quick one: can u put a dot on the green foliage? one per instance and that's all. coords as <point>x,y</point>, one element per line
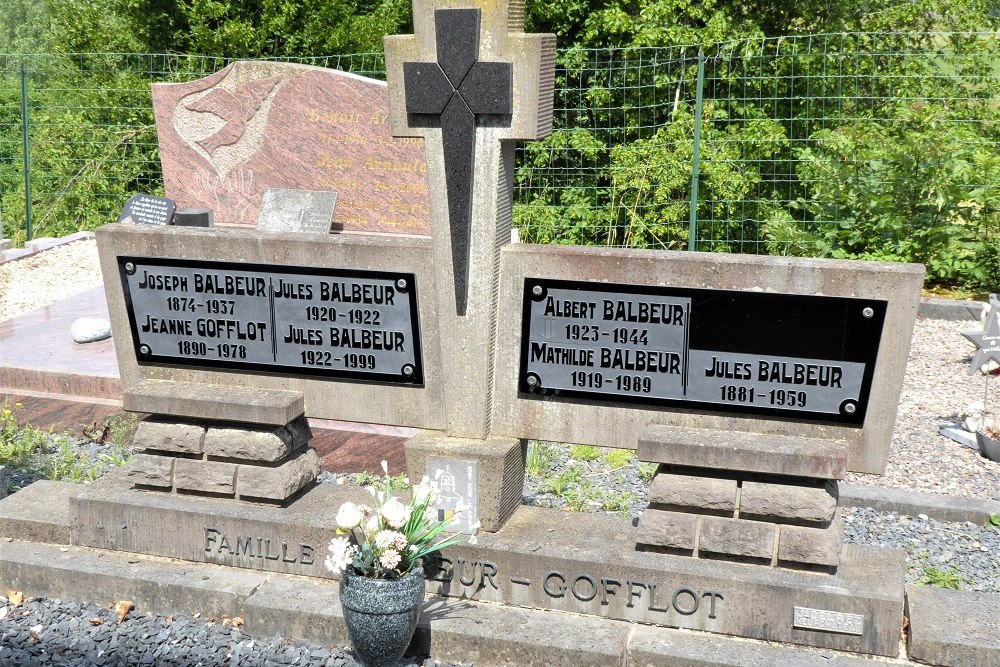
<point>910,192</point>
<point>993,521</point>
<point>584,452</point>
<point>541,456</point>
<point>647,471</point>
<point>619,458</point>
<point>399,483</point>
<point>941,578</point>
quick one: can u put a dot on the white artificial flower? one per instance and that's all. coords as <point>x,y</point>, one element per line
<point>389,559</point>
<point>371,525</point>
<point>426,491</point>
<point>349,516</point>
<point>341,554</point>
<point>971,424</point>
<point>385,466</point>
<point>387,538</point>
<point>395,513</point>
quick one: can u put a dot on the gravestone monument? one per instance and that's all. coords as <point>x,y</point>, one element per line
<point>754,383</point>
<point>227,138</point>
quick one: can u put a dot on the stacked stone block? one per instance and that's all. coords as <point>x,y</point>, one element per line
<point>244,461</point>
<point>744,497</point>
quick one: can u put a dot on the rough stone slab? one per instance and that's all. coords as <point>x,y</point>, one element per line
<point>744,451</point>
<point>4,478</point>
<point>953,628</point>
<point>811,546</point>
<point>151,470</point>
<point>249,444</point>
<point>542,548</point>
<point>278,483</point>
<point>292,540</point>
<point>328,398</point>
<point>694,494</point>
<point>611,424</point>
<point>673,530</point>
<point>788,502</point>
<point>205,476</point>
<point>103,576</point>
<point>208,401</point>
<point>657,647</point>
<point>935,505</point>
<point>501,469</point>
<point>736,537</point>
<point>169,436</point>
<point>39,512</point>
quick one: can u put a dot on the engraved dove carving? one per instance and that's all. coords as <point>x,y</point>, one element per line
<point>237,108</point>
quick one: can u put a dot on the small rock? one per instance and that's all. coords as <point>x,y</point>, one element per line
<point>90,329</point>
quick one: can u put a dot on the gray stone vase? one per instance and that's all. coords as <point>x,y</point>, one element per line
<point>989,447</point>
<point>381,615</point>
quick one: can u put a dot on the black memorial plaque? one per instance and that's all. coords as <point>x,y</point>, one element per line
<point>788,355</point>
<point>148,210</point>
<point>296,320</point>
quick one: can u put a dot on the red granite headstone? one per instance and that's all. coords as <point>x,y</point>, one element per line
<point>227,138</point>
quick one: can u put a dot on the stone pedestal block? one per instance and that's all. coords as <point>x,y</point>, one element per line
<point>151,470</point>
<point>266,445</point>
<point>789,503</point>
<point>795,456</point>
<point>195,400</point>
<point>694,494</point>
<point>671,530</point>
<point>801,545</point>
<point>500,464</point>
<point>169,436</point>
<point>736,537</point>
<point>278,483</point>
<point>205,476</point>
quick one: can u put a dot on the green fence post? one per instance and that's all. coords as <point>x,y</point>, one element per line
<point>27,157</point>
<point>696,153</point>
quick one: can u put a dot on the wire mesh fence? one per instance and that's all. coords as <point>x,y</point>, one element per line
<point>878,146</point>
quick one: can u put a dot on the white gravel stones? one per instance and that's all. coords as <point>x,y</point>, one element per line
<point>937,387</point>
<point>90,329</point>
<point>47,277</point>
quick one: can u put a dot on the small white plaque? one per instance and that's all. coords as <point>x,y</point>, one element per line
<point>458,485</point>
<point>828,621</point>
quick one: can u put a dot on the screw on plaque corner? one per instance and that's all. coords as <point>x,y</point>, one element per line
<point>129,268</point>
<point>537,292</point>
<point>868,312</point>
<point>408,370</point>
<point>402,285</point>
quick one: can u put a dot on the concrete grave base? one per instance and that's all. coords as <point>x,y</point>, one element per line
<point>544,559</point>
<point>500,466</point>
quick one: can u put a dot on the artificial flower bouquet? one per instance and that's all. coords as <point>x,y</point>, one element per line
<point>385,540</point>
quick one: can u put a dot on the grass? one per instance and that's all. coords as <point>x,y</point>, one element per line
<point>941,578</point>
<point>648,470</point>
<point>584,452</point>
<point>541,456</point>
<point>619,458</point>
<point>398,483</point>
<point>993,521</point>
<point>52,455</point>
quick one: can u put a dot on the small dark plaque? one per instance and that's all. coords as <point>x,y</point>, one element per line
<point>790,355</point>
<point>303,320</point>
<point>148,210</point>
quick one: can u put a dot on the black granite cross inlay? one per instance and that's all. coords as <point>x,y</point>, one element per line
<point>457,91</point>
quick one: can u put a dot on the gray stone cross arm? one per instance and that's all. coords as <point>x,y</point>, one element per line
<point>466,68</point>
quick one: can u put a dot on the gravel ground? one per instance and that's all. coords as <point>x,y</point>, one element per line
<point>48,276</point>
<point>55,632</point>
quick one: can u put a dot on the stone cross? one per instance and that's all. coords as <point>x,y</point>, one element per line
<point>471,83</point>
